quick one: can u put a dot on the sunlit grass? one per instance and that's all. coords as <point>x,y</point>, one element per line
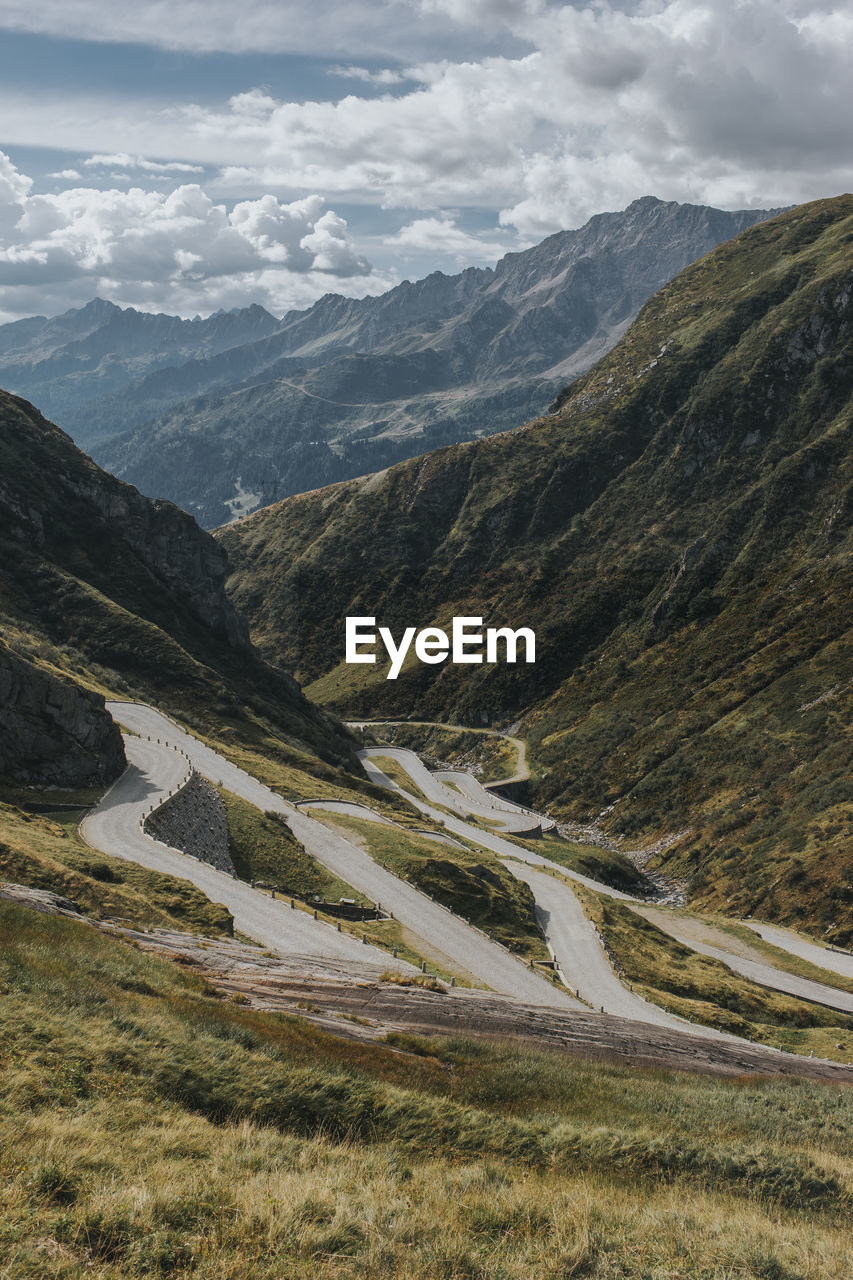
<point>149,1128</point>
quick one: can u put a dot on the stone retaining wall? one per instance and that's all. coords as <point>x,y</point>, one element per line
<point>194,821</point>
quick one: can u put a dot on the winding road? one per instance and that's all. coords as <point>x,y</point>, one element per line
<point>156,768</point>
<point>579,953</point>
<point>456,945</point>
<point>114,827</point>
<point>468,798</point>
<point>581,961</point>
<point>522,769</point>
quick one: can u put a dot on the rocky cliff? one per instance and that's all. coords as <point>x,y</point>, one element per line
<point>52,732</point>
<point>128,594</point>
<point>55,499</point>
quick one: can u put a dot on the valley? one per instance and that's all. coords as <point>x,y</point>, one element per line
<point>567,929</point>
<point>677,534</point>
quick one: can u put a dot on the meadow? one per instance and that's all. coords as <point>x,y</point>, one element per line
<point>150,1127</point>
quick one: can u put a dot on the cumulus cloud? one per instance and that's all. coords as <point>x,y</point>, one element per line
<point>179,249</point>
<point>746,101</point>
<point>442,235</point>
<point>538,111</point>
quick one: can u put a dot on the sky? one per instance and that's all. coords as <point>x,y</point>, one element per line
<point>191,155</point>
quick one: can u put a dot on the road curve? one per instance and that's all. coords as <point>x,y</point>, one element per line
<point>459,944</point>
<point>488,839</point>
<point>572,939</point>
<point>577,961</point>
<point>517,819</point>
<point>114,828</point>
<point>522,769</point>
<point>471,798</point>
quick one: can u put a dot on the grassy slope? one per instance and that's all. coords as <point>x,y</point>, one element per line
<point>473,883</point>
<point>599,864</point>
<point>149,1128</point>
<point>705,990</point>
<point>678,535</point>
<point>45,854</point>
<point>263,847</point>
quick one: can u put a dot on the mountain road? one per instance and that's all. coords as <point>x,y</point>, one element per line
<point>444,934</point>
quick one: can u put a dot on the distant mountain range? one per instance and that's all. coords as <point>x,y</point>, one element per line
<point>679,534</point>
<point>229,413</point>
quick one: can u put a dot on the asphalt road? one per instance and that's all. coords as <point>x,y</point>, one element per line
<point>515,817</point>
<point>113,827</point>
<point>579,962</point>
<point>522,769</point>
<point>155,770</point>
<point>840,962</point>
<point>767,976</point>
<point>471,798</point>
<point>488,839</point>
<point>457,943</point>
<point>580,958</point>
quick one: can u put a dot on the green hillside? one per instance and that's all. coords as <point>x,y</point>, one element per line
<point>678,534</point>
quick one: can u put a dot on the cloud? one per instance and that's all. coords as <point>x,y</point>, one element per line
<point>441,235</point>
<point>179,250</point>
<point>742,102</point>
<point>325,28</point>
<point>121,160</point>
<point>745,100</point>
<point>539,113</point>
<point>385,77</point>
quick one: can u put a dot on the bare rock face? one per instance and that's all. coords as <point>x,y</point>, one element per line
<point>173,548</point>
<point>52,732</point>
<point>144,555</point>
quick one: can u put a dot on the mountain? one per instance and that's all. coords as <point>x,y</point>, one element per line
<point>65,363</point>
<point>227,414</point>
<point>678,534</point>
<point>104,591</point>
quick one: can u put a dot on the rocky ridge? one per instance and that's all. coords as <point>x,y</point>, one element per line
<point>228,414</point>
<point>120,592</point>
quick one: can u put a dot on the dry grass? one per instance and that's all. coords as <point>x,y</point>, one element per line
<point>151,1129</point>
<point>42,853</point>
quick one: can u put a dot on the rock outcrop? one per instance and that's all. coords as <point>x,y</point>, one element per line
<point>129,590</point>
<point>52,732</point>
